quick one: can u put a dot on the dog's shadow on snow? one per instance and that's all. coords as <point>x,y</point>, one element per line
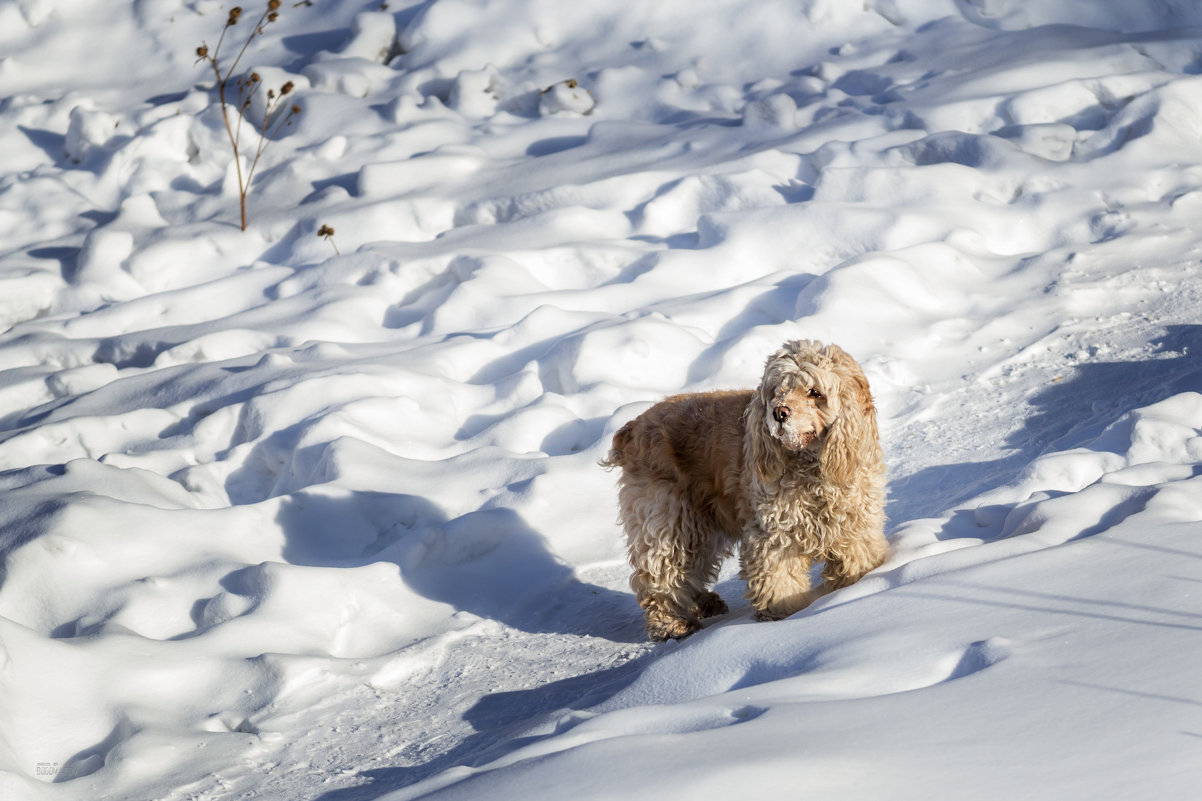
<point>489,563</point>
<point>1064,414</point>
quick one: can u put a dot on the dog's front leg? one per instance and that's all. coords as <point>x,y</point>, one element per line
<point>853,558</point>
<point>777,575</point>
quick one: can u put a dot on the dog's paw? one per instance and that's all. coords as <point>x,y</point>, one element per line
<point>766,616</point>
<point>710,604</point>
<point>671,628</point>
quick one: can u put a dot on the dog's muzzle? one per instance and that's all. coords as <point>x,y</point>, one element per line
<point>788,436</point>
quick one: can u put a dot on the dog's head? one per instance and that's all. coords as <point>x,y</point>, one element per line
<point>799,395</point>
<point>814,399</point>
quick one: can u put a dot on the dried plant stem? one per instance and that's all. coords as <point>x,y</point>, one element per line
<point>233,137</point>
<point>246,91</point>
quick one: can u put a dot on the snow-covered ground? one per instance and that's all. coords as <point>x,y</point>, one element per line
<point>286,516</point>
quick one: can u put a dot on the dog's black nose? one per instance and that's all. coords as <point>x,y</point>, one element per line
<point>780,414</point>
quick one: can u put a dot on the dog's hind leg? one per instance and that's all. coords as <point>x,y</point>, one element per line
<point>706,602</point>
<point>675,558</point>
<point>660,583</point>
<point>710,604</point>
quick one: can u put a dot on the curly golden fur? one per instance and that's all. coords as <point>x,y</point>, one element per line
<point>792,473</point>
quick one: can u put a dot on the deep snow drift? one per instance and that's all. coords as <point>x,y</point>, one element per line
<point>305,517</point>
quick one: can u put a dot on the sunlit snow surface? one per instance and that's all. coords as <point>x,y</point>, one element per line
<point>293,517</point>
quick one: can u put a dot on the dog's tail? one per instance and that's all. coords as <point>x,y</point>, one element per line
<point>617,453</point>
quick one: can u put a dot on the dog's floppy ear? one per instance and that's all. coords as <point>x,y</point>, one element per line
<point>765,461</point>
<point>853,440</point>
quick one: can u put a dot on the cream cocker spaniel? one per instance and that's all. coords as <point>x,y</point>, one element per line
<point>791,473</point>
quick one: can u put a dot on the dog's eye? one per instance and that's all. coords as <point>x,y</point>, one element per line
<point>815,394</point>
